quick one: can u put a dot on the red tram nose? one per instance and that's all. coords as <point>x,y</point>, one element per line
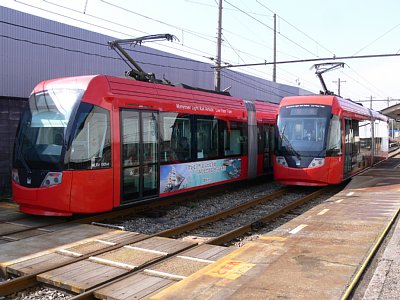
<point>52,198</point>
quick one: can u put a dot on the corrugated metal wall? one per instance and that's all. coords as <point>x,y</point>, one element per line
<point>38,49</point>
<point>35,49</point>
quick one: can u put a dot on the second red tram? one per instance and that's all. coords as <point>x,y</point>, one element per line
<point>92,143</point>
<point>324,139</point>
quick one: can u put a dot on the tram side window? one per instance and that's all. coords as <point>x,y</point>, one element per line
<point>334,146</point>
<point>235,139</point>
<point>352,137</point>
<point>175,138</point>
<point>377,138</point>
<point>265,144</point>
<point>91,145</point>
<point>365,130</point>
<point>381,137</point>
<point>130,138</point>
<point>207,138</point>
<point>356,136</point>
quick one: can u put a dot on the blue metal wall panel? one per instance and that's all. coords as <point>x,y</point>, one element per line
<point>30,54</point>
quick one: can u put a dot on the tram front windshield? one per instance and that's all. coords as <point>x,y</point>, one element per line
<point>40,141</point>
<point>302,129</point>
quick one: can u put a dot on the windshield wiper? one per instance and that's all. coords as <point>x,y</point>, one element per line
<point>330,149</point>
<point>289,145</point>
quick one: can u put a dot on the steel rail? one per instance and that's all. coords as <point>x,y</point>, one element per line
<point>124,211</point>
<point>20,283</point>
<point>25,281</point>
<point>163,202</point>
<point>223,214</point>
<point>229,236</point>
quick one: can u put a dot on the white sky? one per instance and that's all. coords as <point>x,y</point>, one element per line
<point>306,29</point>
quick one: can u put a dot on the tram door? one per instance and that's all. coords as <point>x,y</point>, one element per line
<point>139,155</point>
<point>266,140</point>
<point>348,148</point>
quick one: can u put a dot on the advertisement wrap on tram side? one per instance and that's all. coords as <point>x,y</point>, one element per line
<point>187,175</point>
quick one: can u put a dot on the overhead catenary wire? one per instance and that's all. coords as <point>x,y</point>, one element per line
<point>197,34</point>
<point>103,28</point>
<point>295,27</point>
<point>173,26</point>
<point>269,27</point>
<point>258,43</point>
<point>227,8</point>
<point>96,43</point>
<point>302,32</point>
<point>378,38</point>
<point>234,49</point>
<point>71,16</point>
<point>115,23</point>
<point>98,55</point>
<point>114,58</point>
<point>250,83</point>
<point>245,79</point>
<point>77,20</point>
<point>317,59</point>
<point>242,82</point>
<point>370,84</point>
<point>90,42</point>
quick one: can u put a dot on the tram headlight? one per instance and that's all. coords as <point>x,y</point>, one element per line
<point>15,175</point>
<point>281,161</point>
<point>317,162</point>
<point>52,178</point>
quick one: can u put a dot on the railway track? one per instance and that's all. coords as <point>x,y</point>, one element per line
<point>16,226</point>
<point>116,255</point>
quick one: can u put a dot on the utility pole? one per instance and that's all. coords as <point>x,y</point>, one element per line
<point>217,71</point>
<point>392,123</point>
<point>338,82</point>
<point>274,69</point>
<point>370,102</point>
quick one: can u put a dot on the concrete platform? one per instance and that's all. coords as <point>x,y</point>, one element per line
<point>317,255</point>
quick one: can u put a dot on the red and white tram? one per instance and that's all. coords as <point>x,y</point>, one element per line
<point>92,143</point>
<point>324,139</point>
